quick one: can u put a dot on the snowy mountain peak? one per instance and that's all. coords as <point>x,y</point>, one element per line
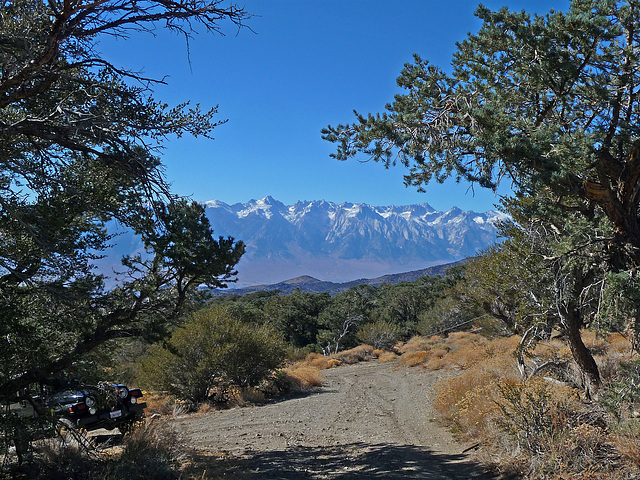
<point>269,201</point>
<point>341,242</point>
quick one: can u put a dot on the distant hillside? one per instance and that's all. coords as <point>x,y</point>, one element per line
<point>309,284</point>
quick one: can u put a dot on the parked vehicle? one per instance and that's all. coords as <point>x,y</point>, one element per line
<point>106,405</point>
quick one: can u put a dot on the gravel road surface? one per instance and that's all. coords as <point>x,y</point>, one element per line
<point>369,421</point>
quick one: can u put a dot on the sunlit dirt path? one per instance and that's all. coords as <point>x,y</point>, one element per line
<point>368,421</point>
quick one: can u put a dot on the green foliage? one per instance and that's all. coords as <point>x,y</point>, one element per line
<point>512,282</point>
<point>402,303</point>
<point>451,313</point>
<point>214,349</point>
<point>444,304</point>
<point>380,334</point>
<point>530,416</point>
<point>316,322</point>
<point>619,302</point>
<point>79,141</point>
<point>407,304</point>
<point>342,317</point>
<point>549,105</point>
<point>296,316</point>
<point>540,129</point>
<point>320,322</point>
<point>623,392</point>
<point>17,431</point>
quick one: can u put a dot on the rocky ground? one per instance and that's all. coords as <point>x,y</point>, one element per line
<point>368,421</point>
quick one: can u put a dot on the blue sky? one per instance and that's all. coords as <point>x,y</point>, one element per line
<point>304,65</point>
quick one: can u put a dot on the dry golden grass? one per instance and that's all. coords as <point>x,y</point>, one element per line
<point>361,353</point>
<point>386,356</point>
<point>471,354</point>
<point>618,344</point>
<point>241,397</point>
<point>547,350</point>
<point>552,432</point>
<point>439,352</point>
<point>437,363</point>
<point>628,447</point>
<point>306,373</point>
<point>304,376</point>
<point>460,350</point>
<point>412,359</point>
<point>458,338</point>
<point>502,345</point>
<point>204,408</point>
<point>465,401</point>
<point>592,340</point>
<point>158,403</point>
<point>318,361</point>
<point>417,343</point>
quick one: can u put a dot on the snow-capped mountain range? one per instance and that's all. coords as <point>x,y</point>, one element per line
<point>343,242</point>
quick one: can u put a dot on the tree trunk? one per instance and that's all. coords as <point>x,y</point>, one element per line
<point>572,322</point>
<point>617,192</point>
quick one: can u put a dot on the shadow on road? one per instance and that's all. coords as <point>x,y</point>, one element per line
<point>356,461</point>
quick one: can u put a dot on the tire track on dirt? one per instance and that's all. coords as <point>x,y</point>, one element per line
<point>369,420</point>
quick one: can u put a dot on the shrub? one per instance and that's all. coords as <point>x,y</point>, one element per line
<point>531,416</point>
<point>150,451</point>
<point>459,349</point>
<point>245,396</point>
<point>158,403</point>
<point>380,334</point>
<point>153,450</point>
<point>361,353</point>
<point>465,403</point>
<point>384,356</point>
<point>411,359</point>
<point>318,361</point>
<point>300,377</point>
<point>623,391</point>
<point>560,436</point>
<point>552,434</point>
<point>619,344</point>
<point>437,363</point>
<point>212,350</point>
<point>296,354</point>
<point>629,447</point>
<point>418,343</point>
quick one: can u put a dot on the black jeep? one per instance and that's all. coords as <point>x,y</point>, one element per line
<point>106,405</point>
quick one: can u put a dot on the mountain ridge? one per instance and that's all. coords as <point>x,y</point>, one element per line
<point>309,284</point>
<point>346,241</point>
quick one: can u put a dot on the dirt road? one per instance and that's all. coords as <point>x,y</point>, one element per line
<point>368,421</point>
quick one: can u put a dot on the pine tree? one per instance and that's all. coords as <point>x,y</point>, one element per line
<point>547,104</point>
<point>79,148</point>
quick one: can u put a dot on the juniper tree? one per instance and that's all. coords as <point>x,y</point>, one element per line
<point>548,104</point>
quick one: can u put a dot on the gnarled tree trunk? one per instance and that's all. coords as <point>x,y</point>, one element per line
<point>572,322</point>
